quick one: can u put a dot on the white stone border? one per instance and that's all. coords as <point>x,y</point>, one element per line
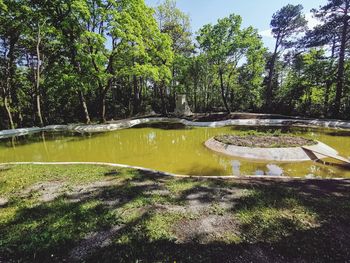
<point>155,172</point>
<point>345,125</point>
<point>283,154</point>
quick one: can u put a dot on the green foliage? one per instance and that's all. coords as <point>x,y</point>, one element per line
<point>176,24</point>
<point>287,22</point>
<point>308,86</point>
<point>70,61</point>
<point>236,55</point>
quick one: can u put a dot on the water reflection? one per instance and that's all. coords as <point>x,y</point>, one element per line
<point>310,176</point>
<point>151,136</point>
<point>236,168</point>
<point>259,173</point>
<point>274,170</point>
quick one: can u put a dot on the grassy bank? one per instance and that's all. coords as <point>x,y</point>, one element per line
<point>100,214</point>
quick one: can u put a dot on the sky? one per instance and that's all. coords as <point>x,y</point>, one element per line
<point>256,13</point>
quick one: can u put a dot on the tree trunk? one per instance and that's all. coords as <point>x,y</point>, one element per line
<point>223,91</point>
<point>38,105</point>
<point>84,106</point>
<point>141,90</point>
<point>161,90</point>
<point>195,87</point>
<point>8,110</point>
<point>269,89</point>
<point>326,98</point>
<point>37,80</point>
<point>136,100</point>
<point>9,72</point>
<point>103,108</point>
<point>341,65</point>
<point>103,100</point>
<point>329,81</point>
<point>77,67</point>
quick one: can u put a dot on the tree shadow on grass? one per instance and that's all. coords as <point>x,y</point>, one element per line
<point>278,239</point>
<point>280,221</point>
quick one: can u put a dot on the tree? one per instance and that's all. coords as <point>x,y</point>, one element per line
<point>175,23</point>
<point>35,39</point>
<point>324,36</point>
<point>147,53</point>
<point>12,22</point>
<point>227,45</point>
<point>335,32</point>
<point>285,23</point>
<point>305,89</point>
<point>65,61</point>
<point>66,17</point>
<point>135,43</point>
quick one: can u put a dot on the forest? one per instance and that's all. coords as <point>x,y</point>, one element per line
<point>67,61</point>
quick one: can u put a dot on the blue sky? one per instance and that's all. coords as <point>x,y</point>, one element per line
<point>257,13</point>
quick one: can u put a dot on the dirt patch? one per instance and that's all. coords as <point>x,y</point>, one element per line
<point>4,168</point>
<point>206,229</point>
<point>45,192</point>
<point>3,202</point>
<point>265,141</point>
<point>49,191</point>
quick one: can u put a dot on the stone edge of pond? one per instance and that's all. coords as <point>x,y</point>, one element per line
<point>283,154</point>
<point>345,125</point>
<point>159,173</point>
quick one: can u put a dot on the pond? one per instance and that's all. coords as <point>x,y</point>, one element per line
<point>171,148</point>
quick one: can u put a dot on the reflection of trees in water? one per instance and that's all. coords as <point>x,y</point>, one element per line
<point>163,126</point>
<point>46,137</point>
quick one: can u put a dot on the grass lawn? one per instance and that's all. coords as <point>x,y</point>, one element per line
<point>101,214</point>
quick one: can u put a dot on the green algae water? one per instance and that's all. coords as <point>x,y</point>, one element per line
<point>177,150</point>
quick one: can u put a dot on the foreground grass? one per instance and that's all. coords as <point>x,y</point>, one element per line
<point>100,214</point>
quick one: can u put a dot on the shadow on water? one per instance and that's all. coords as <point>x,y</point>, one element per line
<point>163,126</point>
<point>89,221</point>
<point>337,133</point>
<point>202,170</point>
<point>42,137</point>
<point>340,166</point>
